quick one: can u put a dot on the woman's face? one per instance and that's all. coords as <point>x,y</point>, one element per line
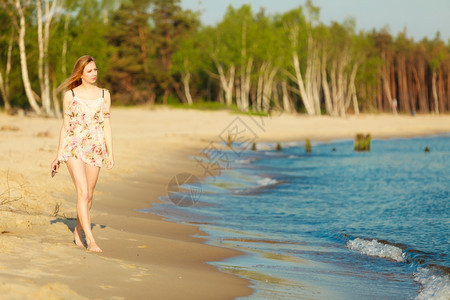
<point>90,73</point>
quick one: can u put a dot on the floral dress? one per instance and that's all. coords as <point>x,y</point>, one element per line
<point>85,139</point>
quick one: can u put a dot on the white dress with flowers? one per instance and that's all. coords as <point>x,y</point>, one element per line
<point>85,139</point>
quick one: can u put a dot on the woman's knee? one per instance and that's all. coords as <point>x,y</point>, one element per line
<point>84,194</point>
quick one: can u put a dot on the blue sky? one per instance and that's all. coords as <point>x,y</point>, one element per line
<point>423,18</point>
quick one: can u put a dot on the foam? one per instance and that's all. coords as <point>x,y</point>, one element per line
<point>377,249</point>
<point>242,161</point>
<point>266,181</point>
<point>435,285</point>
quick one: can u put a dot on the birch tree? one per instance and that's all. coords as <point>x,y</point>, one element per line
<point>437,57</point>
<point>269,51</point>
<point>222,46</point>
<point>187,61</point>
<point>296,26</point>
<point>171,25</point>
<point>43,28</point>
<point>4,77</point>
<point>16,10</point>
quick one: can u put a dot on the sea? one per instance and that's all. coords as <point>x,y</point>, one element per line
<point>332,223</point>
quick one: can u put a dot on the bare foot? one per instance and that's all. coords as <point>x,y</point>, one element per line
<point>77,237</point>
<point>93,247</point>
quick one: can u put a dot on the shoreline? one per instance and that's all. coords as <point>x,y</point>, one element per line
<point>166,238</point>
<point>145,255</point>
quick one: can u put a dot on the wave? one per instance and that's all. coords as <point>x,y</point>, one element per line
<point>267,181</point>
<point>377,249</point>
<point>435,284</point>
<point>433,279</point>
<point>243,161</point>
<point>261,186</point>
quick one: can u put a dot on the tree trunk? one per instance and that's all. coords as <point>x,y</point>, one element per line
<point>227,85</point>
<point>380,94</point>
<point>412,92</point>
<point>49,12</point>
<point>268,84</point>
<point>351,90</point>
<point>56,101</point>
<point>418,87</point>
<point>298,75</point>
<point>355,101</point>
<point>342,83</point>
<point>43,40</point>
<point>387,92</point>
<point>448,86</point>
<point>303,86</point>
<point>143,49</point>
<point>423,96</point>
<point>275,96</point>
<point>392,82</point>
<point>334,89</point>
<point>441,91</point>
<point>286,104</point>
<point>434,91</point>
<point>238,93</point>
<point>312,75</point>
<point>41,53</point>
<point>315,79</point>
<point>187,91</point>
<point>405,94</point>
<point>245,84</point>
<point>259,92</point>
<point>4,83</point>
<point>23,60</point>
<point>325,86</point>
<point>64,47</point>
<point>385,74</point>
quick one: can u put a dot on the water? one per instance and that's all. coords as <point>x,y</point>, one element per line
<point>332,224</point>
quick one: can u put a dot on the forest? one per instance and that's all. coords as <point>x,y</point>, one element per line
<point>156,52</point>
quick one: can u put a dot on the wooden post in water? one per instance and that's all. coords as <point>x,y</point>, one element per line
<point>229,141</point>
<point>254,146</point>
<point>362,142</point>
<point>308,146</point>
<point>278,147</point>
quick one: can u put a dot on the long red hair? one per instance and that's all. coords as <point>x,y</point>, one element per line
<point>74,79</point>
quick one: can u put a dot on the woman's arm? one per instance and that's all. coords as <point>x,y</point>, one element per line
<point>107,130</point>
<point>63,131</point>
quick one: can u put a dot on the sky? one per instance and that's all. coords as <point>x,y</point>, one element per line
<point>422,18</point>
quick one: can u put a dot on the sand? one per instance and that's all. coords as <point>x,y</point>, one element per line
<point>145,257</point>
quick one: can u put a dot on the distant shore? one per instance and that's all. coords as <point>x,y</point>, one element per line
<point>145,256</point>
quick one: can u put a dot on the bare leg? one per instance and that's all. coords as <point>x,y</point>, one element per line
<point>79,172</point>
<point>91,176</point>
<point>92,173</point>
<point>77,234</point>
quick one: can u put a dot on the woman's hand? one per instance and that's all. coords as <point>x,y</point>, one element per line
<point>110,162</point>
<point>55,166</point>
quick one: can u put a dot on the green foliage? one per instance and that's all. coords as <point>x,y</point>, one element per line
<point>147,50</point>
<point>129,69</point>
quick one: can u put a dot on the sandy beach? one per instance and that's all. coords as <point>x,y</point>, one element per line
<point>145,257</point>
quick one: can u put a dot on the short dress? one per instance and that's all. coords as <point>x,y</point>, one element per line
<point>85,139</point>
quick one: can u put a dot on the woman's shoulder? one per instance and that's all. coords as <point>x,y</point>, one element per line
<point>104,90</point>
<point>68,94</point>
<point>101,90</point>
<point>105,93</point>
<point>92,94</point>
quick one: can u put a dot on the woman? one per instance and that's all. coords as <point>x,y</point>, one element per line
<point>85,141</point>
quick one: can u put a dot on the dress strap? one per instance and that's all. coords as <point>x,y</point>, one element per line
<point>73,94</point>
<point>103,93</point>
